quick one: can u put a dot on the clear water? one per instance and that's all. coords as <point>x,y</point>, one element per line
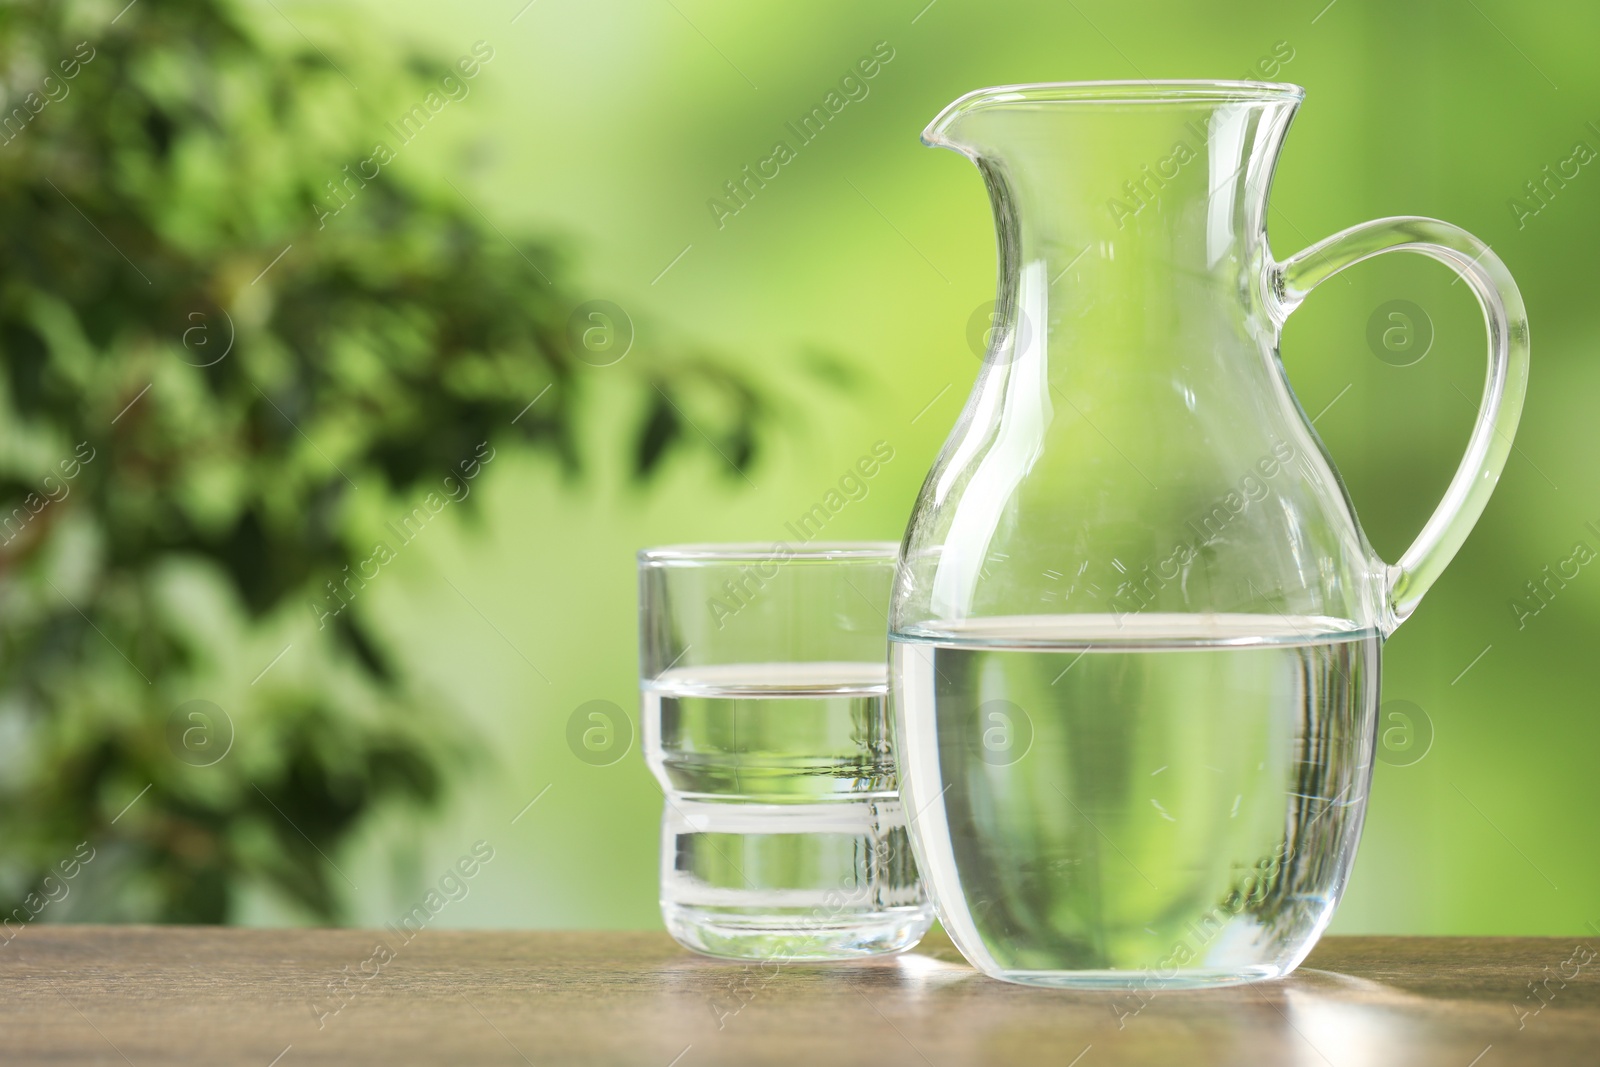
<point>783,832</point>
<point>1136,801</point>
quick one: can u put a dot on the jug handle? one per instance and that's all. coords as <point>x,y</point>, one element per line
<point>1490,444</point>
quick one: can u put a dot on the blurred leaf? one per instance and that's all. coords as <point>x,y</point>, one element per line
<point>226,311</point>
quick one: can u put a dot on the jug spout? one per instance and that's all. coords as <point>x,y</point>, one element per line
<point>951,128</point>
<point>1151,175</point>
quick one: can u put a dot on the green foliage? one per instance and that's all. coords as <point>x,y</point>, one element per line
<point>200,362</point>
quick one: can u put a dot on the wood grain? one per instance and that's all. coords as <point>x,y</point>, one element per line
<point>174,995</point>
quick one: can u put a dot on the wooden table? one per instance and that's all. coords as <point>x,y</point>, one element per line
<point>143,995</point>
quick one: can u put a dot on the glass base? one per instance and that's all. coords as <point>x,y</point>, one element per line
<point>1141,981</point>
<point>786,936</point>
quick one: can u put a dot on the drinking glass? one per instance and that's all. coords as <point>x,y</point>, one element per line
<point>763,680</point>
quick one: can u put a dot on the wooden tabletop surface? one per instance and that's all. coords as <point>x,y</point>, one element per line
<point>176,995</point>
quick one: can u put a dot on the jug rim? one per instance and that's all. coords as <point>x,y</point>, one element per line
<point>1142,91</point>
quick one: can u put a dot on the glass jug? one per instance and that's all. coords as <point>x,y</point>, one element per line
<point>1135,630</point>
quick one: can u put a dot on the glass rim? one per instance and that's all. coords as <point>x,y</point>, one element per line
<point>710,553</point>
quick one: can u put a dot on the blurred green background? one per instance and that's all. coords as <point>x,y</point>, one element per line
<point>606,127</point>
